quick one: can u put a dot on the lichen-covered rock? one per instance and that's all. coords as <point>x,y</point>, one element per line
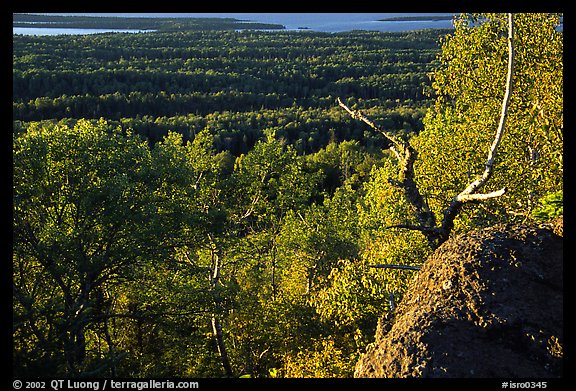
<point>484,304</point>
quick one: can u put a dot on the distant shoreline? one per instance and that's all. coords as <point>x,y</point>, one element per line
<point>52,24</point>
<point>417,18</point>
<point>126,23</point>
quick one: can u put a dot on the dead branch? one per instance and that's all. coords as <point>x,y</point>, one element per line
<point>395,143</point>
<point>406,156</point>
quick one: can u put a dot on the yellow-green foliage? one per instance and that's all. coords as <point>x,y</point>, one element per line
<point>116,241</point>
<point>470,84</point>
<point>323,359</point>
<point>383,207</point>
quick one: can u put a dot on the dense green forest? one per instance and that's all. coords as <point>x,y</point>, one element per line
<point>235,83</point>
<point>196,204</point>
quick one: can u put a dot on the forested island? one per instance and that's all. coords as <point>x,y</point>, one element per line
<point>199,204</point>
<point>137,23</point>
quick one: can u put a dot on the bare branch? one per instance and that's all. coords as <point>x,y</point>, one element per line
<point>391,302</point>
<point>358,115</point>
<point>195,186</point>
<point>406,156</point>
<point>251,208</point>
<point>480,197</point>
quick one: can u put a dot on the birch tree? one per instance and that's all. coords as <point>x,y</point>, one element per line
<point>480,60</point>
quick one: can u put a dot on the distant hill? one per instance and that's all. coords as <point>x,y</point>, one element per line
<point>139,23</point>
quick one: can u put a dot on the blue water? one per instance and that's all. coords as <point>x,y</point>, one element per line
<point>323,22</point>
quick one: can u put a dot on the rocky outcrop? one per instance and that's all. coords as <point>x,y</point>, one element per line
<point>485,304</point>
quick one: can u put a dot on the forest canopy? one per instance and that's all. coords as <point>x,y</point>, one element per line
<point>196,204</point>
<point>235,83</point>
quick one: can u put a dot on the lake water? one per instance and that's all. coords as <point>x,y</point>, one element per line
<point>339,22</point>
<point>322,22</point>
